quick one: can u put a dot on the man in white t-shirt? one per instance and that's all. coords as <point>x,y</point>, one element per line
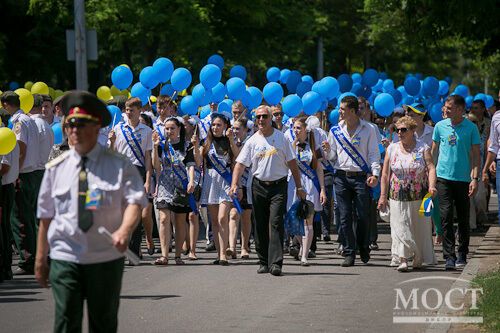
<point>270,156</point>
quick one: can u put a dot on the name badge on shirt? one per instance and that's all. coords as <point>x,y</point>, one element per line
<point>452,140</point>
<point>356,141</point>
<point>417,156</point>
<point>94,199</point>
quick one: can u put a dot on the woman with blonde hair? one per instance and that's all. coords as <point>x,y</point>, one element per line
<point>408,174</point>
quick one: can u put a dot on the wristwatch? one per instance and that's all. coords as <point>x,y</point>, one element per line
<point>476,179</point>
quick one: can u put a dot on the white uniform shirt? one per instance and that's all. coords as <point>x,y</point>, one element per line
<point>120,184</point>
<point>144,136</point>
<point>495,135</point>
<point>26,131</point>
<point>103,136</point>
<point>268,156</point>
<point>425,137</point>
<point>12,160</point>
<point>46,141</point>
<point>365,140</point>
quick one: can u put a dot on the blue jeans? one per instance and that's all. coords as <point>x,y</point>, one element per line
<point>352,194</point>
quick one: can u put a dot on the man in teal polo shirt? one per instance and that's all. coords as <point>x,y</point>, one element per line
<point>456,148</point>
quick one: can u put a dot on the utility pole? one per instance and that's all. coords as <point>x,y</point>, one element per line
<point>80,45</point>
<point>320,71</point>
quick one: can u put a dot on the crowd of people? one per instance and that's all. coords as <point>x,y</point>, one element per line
<point>231,171</point>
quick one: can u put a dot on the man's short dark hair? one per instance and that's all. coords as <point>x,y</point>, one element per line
<point>351,102</point>
<point>37,101</point>
<point>11,98</point>
<point>480,102</point>
<point>457,100</point>
<point>46,98</point>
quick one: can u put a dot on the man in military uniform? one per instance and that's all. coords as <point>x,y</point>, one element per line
<point>23,219</point>
<point>83,189</point>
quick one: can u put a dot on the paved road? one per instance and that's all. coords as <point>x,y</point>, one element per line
<point>202,297</point>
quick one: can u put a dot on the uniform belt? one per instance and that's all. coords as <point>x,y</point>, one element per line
<point>350,173</point>
<point>270,183</point>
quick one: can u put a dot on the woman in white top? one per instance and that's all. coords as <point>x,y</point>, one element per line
<point>219,152</point>
<point>240,130</point>
<point>309,160</point>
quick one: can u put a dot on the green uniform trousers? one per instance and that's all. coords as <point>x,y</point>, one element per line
<point>99,284</point>
<point>6,203</point>
<point>23,217</point>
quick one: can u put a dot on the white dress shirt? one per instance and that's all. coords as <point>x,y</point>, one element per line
<point>26,131</point>
<point>144,136</point>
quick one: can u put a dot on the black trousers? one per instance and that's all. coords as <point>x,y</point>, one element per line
<point>269,203</point>
<point>454,194</point>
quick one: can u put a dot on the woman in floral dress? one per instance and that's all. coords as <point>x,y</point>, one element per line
<point>408,174</point>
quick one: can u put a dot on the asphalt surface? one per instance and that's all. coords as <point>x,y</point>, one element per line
<point>200,296</point>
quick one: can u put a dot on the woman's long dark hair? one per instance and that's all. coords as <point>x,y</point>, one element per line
<point>206,145</point>
<point>182,133</point>
<point>312,144</point>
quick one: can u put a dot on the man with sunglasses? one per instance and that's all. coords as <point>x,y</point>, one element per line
<point>270,156</point>
<point>83,189</point>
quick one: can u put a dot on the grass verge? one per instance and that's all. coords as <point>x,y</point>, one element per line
<point>489,302</point>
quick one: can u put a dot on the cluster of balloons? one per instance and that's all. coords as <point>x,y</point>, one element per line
<point>30,88</point>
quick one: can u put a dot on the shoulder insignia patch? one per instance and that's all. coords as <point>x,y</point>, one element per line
<point>57,160</point>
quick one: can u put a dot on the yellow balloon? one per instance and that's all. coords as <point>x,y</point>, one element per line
<point>104,93</point>
<point>125,65</point>
<point>28,85</point>
<point>183,93</point>
<point>115,91</point>
<point>152,99</point>
<point>26,99</point>
<point>7,140</point>
<point>1,92</point>
<point>59,92</point>
<point>40,88</point>
<point>52,93</point>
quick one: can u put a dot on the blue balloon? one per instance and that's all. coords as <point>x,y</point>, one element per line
<point>333,117</point>
<point>10,124</point>
<point>216,60</point>
<point>444,87</point>
<point>345,83</point>
<point>255,96</point>
<point>58,133</point>
<point>116,115</point>
<point>181,79</point>
<point>235,88</point>
<point>273,74</point>
<point>384,104</point>
<point>210,75</point>
<point>388,85</point>
<point>273,93</point>
<point>148,77</point>
<point>328,87</point>
<point>412,86</point>
<point>189,105</point>
<point>167,90</point>
<point>324,105</point>
<point>366,92</point>
<point>481,97</point>
<point>333,102</point>
<point>378,86</point>
<point>218,92</point>
<point>238,71</point>
<point>356,78</point>
<point>489,101</point>
<point>436,112</point>
<point>205,111</point>
<point>311,102</point>
<point>13,85</point>
<point>403,92</point>
<point>396,95</point>
<point>370,77</point>
<point>224,106</point>
<point>430,86</point>
<point>408,100</point>
<point>383,76</point>
<point>307,78</point>
<point>122,77</point>
<point>294,78</point>
<point>201,95</point>
<point>356,89</point>
<point>462,90</point>
<point>284,75</point>
<point>292,105</point>
<point>303,87</point>
<point>448,79</point>
<point>468,101</point>
<point>138,90</point>
<point>164,69</point>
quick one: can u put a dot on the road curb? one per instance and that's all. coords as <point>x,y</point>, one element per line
<point>469,272</point>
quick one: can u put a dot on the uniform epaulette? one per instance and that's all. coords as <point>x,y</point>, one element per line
<point>57,160</point>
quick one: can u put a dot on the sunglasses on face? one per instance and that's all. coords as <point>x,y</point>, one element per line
<point>278,114</point>
<point>79,124</point>
<point>402,130</point>
<point>262,116</point>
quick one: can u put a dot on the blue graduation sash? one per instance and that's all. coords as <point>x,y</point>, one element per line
<point>328,166</point>
<point>162,137</point>
<point>350,149</point>
<point>310,173</point>
<point>181,173</point>
<point>224,172</point>
<point>140,156</point>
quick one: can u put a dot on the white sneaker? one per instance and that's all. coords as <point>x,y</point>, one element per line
<point>403,267</point>
<point>394,262</point>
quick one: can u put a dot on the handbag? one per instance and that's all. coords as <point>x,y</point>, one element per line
<point>180,197</point>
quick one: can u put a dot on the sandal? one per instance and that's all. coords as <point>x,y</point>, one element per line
<point>162,261</point>
<point>245,256</point>
<point>151,250</point>
<point>179,261</point>
<point>192,256</point>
